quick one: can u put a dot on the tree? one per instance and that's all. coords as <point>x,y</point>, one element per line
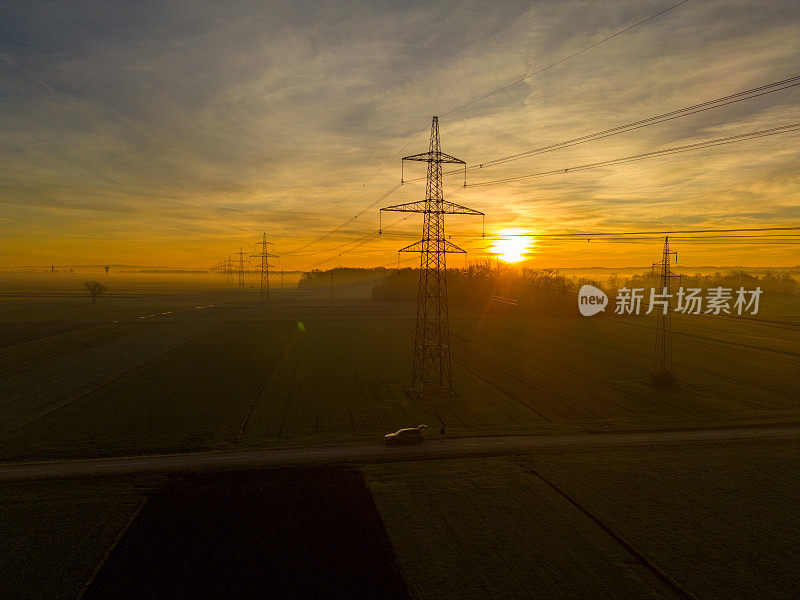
<point>95,289</point>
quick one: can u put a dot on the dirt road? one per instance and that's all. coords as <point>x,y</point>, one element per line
<point>380,452</point>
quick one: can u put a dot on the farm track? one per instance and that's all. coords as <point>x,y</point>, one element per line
<point>467,446</point>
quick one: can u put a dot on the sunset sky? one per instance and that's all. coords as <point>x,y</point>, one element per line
<point>171,134</point>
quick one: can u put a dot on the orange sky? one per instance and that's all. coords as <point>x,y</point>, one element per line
<point>170,135</point>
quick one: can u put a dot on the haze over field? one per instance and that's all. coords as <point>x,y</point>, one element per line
<point>167,135</point>
<point>244,356</point>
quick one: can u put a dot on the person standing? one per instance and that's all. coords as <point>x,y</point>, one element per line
<point>442,434</point>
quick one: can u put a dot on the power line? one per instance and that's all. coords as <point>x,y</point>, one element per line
<point>369,235</point>
<point>354,244</point>
<point>471,102</point>
<point>566,58</point>
<point>686,240</point>
<point>658,153</point>
<point>619,233</point>
<point>347,222</point>
<point>655,120</point>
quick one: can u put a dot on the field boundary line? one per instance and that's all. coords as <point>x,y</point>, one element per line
<point>90,388</point>
<point>111,548</point>
<point>88,325</point>
<point>626,545</point>
<point>267,377</point>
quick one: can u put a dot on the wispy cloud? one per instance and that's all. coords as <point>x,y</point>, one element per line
<point>206,124</point>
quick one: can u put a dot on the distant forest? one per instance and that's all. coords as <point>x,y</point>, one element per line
<point>472,285</point>
<point>341,277</point>
<point>547,288</point>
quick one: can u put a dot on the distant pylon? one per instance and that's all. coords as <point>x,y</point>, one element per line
<point>432,366</point>
<point>241,268</point>
<point>265,256</point>
<point>228,269</point>
<point>662,353</point>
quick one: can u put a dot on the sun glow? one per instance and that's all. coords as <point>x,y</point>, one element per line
<point>513,248</point>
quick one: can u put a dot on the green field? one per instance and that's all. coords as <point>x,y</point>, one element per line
<point>56,532</point>
<point>143,372</point>
<point>719,521</point>
<point>195,367</point>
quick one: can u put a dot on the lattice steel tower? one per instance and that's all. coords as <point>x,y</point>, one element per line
<point>241,268</point>
<point>432,367</point>
<point>265,256</point>
<point>662,353</point>
<point>229,269</point>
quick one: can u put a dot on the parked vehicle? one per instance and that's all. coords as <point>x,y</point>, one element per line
<point>409,435</point>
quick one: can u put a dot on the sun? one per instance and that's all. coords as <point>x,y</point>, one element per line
<point>513,248</point>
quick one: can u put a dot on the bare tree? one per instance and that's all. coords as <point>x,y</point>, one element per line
<point>95,289</point>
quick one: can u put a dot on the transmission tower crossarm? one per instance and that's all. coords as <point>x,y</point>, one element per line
<point>448,247</point>
<point>451,208</point>
<point>442,207</point>
<point>439,157</point>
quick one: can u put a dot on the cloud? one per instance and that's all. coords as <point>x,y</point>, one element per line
<point>215,122</point>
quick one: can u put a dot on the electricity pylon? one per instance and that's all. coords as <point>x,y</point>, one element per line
<point>265,256</point>
<point>228,269</point>
<point>432,367</point>
<point>662,354</point>
<point>241,268</point>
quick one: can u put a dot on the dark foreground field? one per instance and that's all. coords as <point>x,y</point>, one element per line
<point>166,370</point>
<point>289,533</point>
<point>712,521</point>
<point>699,521</point>
<point>190,370</point>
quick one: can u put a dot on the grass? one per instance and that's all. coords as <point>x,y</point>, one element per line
<point>39,376</point>
<point>193,397</point>
<point>55,533</point>
<point>483,528</point>
<point>309,372</point>
<point>719,520</point>
<point>341,379</point>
